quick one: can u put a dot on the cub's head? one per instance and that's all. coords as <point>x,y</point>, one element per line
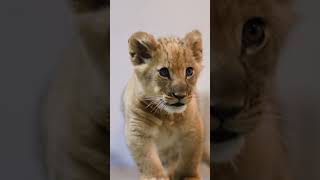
<point>91,18</point>
<point>167,68</point>
<point>247,36</point>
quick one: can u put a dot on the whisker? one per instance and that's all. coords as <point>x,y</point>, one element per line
<point>160,107</point>
<point>151,103</point>
<point>152,97</point>
<point>190,97</point>
<point>156,106</point>
<point>154,102</point>
<point>163,105</point>
<point>157,109</point>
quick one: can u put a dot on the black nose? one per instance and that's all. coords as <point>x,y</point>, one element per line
<point>223,113</point>
<point>179,95</point>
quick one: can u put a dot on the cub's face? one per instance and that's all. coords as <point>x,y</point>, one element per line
<point>167,69</point>
<point>246,38</point>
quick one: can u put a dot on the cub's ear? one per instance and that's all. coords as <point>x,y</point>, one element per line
<point>85,6</point>
<point>193,40</point>
<point>142,47</point>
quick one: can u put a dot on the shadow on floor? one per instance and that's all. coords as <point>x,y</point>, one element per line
<point>125,173</point>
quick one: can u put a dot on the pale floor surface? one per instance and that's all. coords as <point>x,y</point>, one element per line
<point>125,173</point>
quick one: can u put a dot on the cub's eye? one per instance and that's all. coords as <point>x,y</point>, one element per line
<point>189,71</point>
<point>253,34</point>
<point>164,72</point>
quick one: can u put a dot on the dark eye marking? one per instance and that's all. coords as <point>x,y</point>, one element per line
<point>253,33</point>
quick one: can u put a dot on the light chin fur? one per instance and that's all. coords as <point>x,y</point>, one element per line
<point>227,151</point>
<point>173,109</point>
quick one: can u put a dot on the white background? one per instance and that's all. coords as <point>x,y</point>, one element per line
<point>160,18</point>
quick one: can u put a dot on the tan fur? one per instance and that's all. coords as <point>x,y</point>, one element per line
<point>76,113</point>
<point>247,80</point>
<point>157,137</point>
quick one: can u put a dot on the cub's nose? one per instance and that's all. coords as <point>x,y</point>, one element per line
<point>179,96</point>
<point>223,113</point>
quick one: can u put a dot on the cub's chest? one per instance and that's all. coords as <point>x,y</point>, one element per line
<point>166,137</point>
<point>169,132</point>
<point>167,142</point>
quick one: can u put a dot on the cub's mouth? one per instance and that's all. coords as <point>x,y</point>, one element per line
<point>221,135</point>
<point>177,107</point>
<point>178,104</point>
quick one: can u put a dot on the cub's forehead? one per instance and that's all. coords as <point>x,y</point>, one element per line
<point>230,15</point>
<point>228,10</point>
<point>174,53</point>
<point>222,4</point>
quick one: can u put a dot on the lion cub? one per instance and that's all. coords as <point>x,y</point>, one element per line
<point>163,126</point>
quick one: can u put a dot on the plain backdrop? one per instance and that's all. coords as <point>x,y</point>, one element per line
<point>160,18</point>
<point>33,34</point>
<point>299,91</point>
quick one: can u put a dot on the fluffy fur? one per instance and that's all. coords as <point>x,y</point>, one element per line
<point>244,78</point>
<point>158,133</point>
<point>76,113</point>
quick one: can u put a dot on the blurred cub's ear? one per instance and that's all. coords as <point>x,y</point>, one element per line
<point>193,40</point>
<point>91,18</point>
<point>142,47</point>
<point>84,6</point>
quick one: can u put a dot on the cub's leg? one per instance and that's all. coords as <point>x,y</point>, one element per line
<point>191,145</point>
<point>139,136</point>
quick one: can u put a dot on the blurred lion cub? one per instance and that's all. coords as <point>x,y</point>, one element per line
<point>246,129</point>
<point>76,112</point>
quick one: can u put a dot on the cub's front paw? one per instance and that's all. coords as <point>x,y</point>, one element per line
<point>191,178</point>
<point>186,178</point>
<point>154,178</point>
<point>181,177</point>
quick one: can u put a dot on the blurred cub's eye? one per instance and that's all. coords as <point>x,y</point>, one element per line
<point>189,71</point>
<point>253,34</point>
<point>164,72</point>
